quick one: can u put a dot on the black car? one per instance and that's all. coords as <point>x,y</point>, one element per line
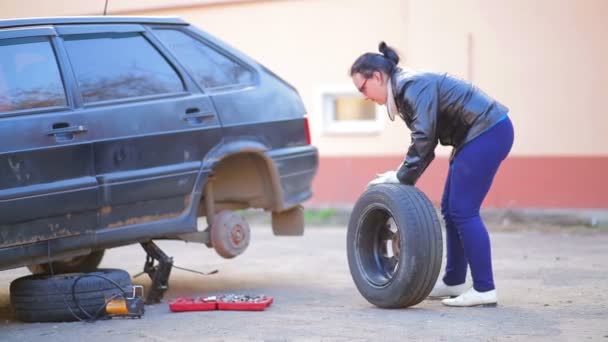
<point>121,130</point>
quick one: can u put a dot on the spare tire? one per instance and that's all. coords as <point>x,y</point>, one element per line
<point>42,298</point>
<point>394,245</point>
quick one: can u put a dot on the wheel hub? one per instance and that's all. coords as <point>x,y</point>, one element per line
<point>379,246</point>
<point>237,234</point>
<point>229,234</point>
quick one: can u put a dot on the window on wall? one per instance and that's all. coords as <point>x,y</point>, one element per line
<point>29,75</point>
<point>119,66</point>
<point>349,112</point>
<point>209,68</point>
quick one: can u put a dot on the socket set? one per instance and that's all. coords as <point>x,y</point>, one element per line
<point>232,302</point>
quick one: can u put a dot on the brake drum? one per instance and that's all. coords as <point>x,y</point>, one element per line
<point>230,234</point>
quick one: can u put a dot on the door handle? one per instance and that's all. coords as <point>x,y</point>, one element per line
<point>63,128</point>
<point>192,110</point>
<point>64,132</point>
<point>199,116</point>
<point>194,115</point>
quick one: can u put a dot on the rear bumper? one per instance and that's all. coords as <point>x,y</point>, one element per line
<point>296,167</point>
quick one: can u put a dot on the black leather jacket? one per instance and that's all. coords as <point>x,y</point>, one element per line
<point>439,108</point>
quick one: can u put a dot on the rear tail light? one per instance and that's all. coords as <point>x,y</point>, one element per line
<point>307,131</point>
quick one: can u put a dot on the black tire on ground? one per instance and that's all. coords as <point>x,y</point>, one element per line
<point>394,245</point>
<point>42,298</point>
<point>84,263</point>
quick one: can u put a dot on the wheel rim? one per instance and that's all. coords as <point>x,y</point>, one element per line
<point>378,247</point>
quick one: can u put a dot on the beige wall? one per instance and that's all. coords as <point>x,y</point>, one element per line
<point>45,8</point>
<point>545,59</point>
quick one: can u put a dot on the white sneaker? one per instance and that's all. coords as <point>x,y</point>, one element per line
<point>441,290</point>
<point>473,298</point>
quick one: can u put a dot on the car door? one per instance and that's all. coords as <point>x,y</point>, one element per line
<point>253,105</point>
<point>151,126</point>
<point>48,187</point>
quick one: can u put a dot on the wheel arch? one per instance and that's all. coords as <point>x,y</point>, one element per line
<point>241,175</point>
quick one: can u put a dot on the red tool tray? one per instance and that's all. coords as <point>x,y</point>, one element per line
<point>260,305</point>
<point>188,304</point>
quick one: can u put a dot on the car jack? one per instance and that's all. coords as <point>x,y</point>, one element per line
<point>159,274</point>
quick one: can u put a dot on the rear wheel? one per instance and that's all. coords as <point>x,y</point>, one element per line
<point>394,245</point>
<point>84,263</point>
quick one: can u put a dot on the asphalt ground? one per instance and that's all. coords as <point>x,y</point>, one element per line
<point>552,284</point>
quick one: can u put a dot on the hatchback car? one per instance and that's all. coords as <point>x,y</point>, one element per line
<point>121,130</point>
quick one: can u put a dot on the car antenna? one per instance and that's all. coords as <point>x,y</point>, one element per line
<point>105,8</point>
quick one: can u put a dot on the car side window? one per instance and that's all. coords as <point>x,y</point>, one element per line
<point>29,75</point>
<point>116,66</point>
<point>209,68</point>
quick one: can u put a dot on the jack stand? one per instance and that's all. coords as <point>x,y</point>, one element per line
<point>159,273</point>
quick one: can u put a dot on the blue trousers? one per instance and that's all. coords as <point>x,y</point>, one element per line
<point>469,179</point>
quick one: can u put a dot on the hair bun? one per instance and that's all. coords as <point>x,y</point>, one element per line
<point>382,47</point>
<point>370,62</point>
<point>388,52</point>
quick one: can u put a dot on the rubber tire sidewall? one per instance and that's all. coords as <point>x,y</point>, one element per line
<point>42,298</point>
<point>421,245</point>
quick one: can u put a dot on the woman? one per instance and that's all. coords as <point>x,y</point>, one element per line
<point>441,108</point>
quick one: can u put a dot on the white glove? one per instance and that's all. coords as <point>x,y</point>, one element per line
<point>386,177</point>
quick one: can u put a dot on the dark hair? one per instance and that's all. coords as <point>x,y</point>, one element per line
<point>386,61</point>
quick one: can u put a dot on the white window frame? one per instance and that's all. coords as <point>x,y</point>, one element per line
<point>325,107</point>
